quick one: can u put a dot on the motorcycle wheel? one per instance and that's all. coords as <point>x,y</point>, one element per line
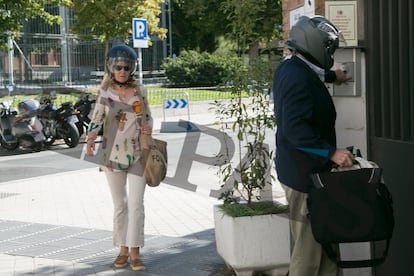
<point>49,141</point>
<point>81,126</point>
<point>8,146</point>
<point>71,135</point>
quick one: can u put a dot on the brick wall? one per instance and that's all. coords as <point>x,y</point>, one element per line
<point>288,5</point>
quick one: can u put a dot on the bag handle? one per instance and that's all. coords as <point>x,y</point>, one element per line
<point>376,175</point>
<point>356,263</point>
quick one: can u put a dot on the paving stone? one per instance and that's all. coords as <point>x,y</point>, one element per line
<point>79,251</point>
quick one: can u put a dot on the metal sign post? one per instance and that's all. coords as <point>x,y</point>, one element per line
<point>140,76</point>
<point>177,100</point>
<point>140,38</point>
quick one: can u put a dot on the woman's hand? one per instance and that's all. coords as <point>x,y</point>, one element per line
<point>146,130</point>
<point>90,147</point>
<point>90,144</point>
<point>343,158</point>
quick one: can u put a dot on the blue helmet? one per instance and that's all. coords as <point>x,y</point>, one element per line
<point>121,53</point>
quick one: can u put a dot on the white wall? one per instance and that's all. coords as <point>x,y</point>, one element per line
<point>351,130</point>
<point>351,124</point>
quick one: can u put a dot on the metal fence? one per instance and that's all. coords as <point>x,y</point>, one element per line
<point>38,61</point>
<point>46,55</point>
<point>156,95</point>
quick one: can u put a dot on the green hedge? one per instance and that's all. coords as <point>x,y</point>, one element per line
<point>200,69</point>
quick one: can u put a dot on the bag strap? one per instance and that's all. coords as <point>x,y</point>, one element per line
<point>376,175</point>
<point>356,263</point>
<point>143,106</point>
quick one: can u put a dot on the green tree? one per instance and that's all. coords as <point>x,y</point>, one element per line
<point>197,25</point>
<point>200,24</point>
<point>253,22</point>
<point>109,19</point>
<point>14,12</point>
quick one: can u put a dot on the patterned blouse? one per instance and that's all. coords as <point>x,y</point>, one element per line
<point>122,122</point>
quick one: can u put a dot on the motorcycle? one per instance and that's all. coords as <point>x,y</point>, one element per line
<point>83,107</point>
<point>58,123</point>
<point>22,127</point>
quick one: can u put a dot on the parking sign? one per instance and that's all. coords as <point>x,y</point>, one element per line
<point>139,33</point>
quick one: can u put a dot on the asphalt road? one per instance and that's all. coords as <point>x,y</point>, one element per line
<point>20,164</point>
<point>192,160</point>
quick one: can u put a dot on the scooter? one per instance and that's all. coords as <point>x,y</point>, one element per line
<point>21,127</point>
<point>58,123</point>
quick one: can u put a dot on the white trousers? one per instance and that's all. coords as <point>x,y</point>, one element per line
<point>127,189</point>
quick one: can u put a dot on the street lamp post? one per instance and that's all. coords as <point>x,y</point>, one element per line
<point>10,53</point>
<point>170,28</point>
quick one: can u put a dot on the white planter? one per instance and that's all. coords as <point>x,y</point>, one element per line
<point>254,243</point>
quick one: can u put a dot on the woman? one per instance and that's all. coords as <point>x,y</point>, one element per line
<point>119,110</point>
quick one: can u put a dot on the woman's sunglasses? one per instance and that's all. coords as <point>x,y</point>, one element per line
<point>119,68</point>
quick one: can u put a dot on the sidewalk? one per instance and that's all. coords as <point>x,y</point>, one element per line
<point>61,224</point>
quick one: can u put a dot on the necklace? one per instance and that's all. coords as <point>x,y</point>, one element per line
<point>122,97</point>
<point>122,94</point>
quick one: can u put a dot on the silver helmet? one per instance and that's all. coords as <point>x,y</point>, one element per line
<point>316,39</point>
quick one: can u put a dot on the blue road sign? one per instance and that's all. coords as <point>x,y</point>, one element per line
<point>140,32</point>
<point>174,103</point>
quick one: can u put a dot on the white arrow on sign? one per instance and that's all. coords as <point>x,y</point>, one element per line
<point>174,103</point>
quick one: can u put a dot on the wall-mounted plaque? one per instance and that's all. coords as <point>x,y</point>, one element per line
<point>343,14</point>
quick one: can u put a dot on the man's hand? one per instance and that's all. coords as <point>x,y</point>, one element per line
<point>343,158</point>
<point>341,77</point>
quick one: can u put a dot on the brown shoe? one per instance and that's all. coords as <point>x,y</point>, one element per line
<point>137,264</point>
<point>121,261</point>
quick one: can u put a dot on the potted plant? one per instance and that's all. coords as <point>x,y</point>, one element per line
<point>252,230</point>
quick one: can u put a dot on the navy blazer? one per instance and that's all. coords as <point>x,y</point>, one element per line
<point>305,117</point>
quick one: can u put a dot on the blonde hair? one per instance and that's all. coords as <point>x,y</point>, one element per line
<point>107,81</point>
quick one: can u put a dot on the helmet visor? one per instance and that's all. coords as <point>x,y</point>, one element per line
<point>333,36</point>
<point>127,64</point>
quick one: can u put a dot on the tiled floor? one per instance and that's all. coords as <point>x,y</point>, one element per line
<point>61,225</point>
<point>45,249</point>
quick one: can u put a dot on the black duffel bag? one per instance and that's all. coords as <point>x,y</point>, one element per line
<point>351,206</point>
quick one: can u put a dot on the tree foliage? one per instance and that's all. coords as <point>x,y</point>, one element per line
<point>197,24</point>
<point>14,12</point>
<point>109,19</point>
<point>253,21</point>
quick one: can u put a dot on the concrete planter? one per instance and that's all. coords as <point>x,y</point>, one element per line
<point>254,243</point>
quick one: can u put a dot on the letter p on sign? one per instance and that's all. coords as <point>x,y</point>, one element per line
<point>139,32</point>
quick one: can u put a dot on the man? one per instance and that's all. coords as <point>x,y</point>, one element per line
<point>305,138</point>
